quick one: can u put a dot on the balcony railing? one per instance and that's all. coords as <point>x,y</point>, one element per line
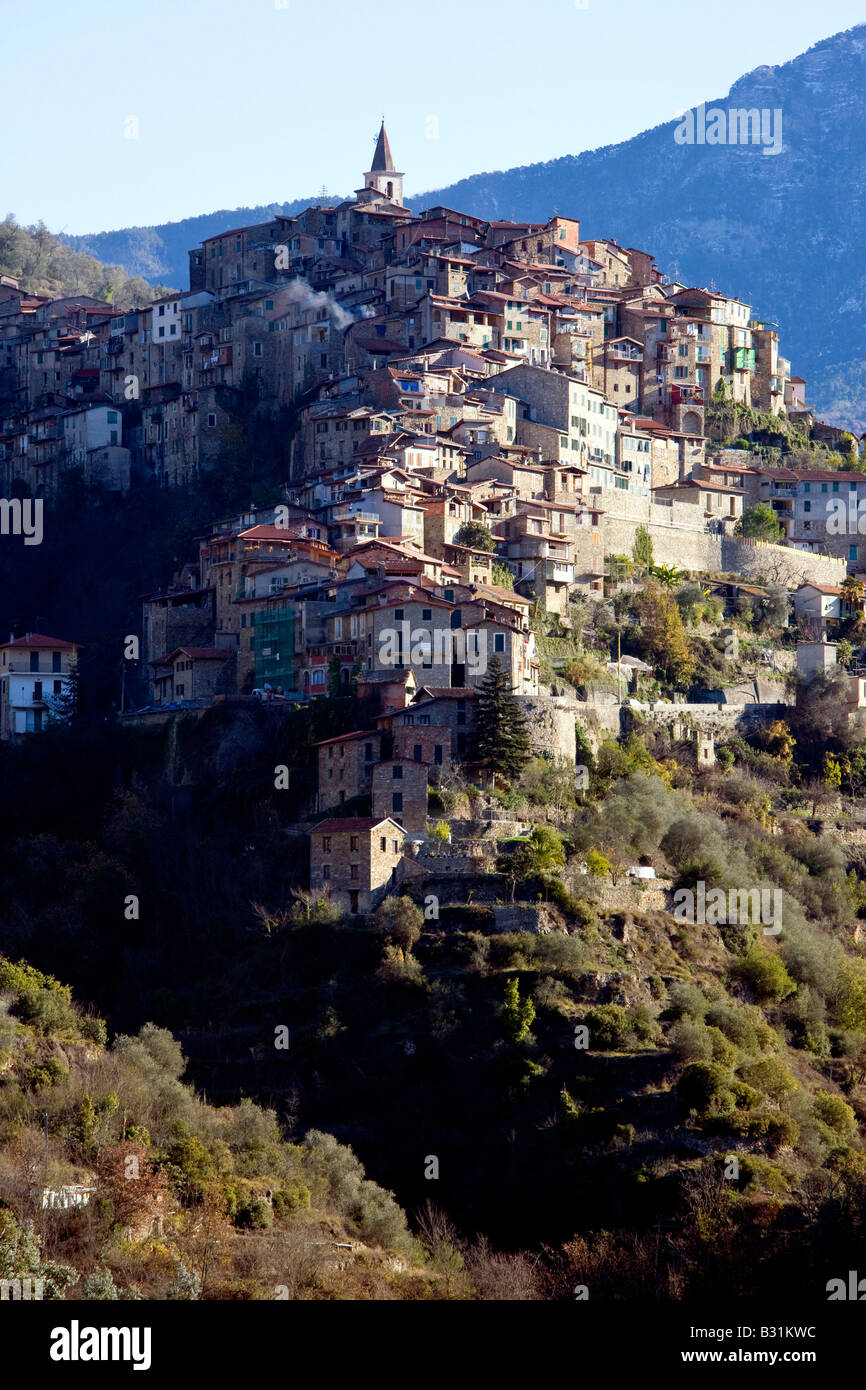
<point>347,514</point>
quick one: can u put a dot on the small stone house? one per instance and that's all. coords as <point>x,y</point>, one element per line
<point>345,767</point>
<point>356,859</point>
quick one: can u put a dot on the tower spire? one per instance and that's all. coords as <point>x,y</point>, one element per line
<point>383,181</point>
<point>382,161</point>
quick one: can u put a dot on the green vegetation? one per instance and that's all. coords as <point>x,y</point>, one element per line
<point>43,264</point>
<point>759,523</point>
<point>476,535</point>
<point>502,739</point>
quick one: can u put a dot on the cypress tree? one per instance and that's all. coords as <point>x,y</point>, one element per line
<point>502,740</point>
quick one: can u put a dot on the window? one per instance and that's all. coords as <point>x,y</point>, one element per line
<point>34,661</point>
<point>437,754</point>
<point>257,349</point>
<point>211,420</point>
<point>397,802</point>
<point>326,871</point>
<point>394,845</point>
<point>426,615</point>
<point>383,843</point>
<point>354,871</point>
<point>56,661</point>
<point>326,844</point>
<point>398,772</point>
<point>499,641</point>
<point>354,842</point>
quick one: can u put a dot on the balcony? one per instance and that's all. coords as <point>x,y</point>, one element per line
<point>347,514</point>
<point>559,572</point>
<point>687,395</point>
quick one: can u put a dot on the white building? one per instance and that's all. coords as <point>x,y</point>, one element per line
<point>34,679</point>
<point>165,321</point>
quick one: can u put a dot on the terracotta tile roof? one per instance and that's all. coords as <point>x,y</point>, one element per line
<point>352,824</point>
<point>345,738</point>
<point>38,641</point>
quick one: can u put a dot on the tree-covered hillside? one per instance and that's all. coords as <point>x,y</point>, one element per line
<point>44,264</point>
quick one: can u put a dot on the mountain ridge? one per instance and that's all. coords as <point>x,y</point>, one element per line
<point>694,207</point>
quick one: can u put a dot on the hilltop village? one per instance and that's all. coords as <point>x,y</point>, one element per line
<point>489,422</point>
<point>452,739</point>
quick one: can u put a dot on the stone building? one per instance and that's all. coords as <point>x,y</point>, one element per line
<point>356,860</point>
<point>400,791</point>
<point>345,767</point>
<point>193,673</point>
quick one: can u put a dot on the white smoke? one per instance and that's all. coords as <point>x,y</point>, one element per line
<point>302,294</point>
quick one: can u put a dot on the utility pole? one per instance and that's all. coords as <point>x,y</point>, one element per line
<point>619,664</point>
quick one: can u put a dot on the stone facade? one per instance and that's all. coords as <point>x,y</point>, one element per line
<point>356,860</point>
<point>346,766</point>
<point>400,791</point>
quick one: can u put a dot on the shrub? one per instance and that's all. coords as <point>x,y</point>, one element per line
<point>782,1132</point>
<point>399,921</point>
<point>765,973</point>
<point>706,1087</point>
<point>38,999</point>
<point>253,1214</point>
<point>770,1076</point>
<point>758,1174</point>
<point>850,1010</point>
<point>99,1286</point>
<point>687,1001</point>
<point>836,1113</point>
<point>288,1201</point>
<point>552,994</point>
<point>609,1027</point>
<point>643,1025</point>
<point>518,1014</point>
<point>690,1041</point>
<point>558,954</point>
<point>597,864</point>
<point>742,1025</point>
<point>372,1209</point>
<point>189,1166</point>
<point>722,1050</point>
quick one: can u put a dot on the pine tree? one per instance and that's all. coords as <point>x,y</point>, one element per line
<point>502,737</point>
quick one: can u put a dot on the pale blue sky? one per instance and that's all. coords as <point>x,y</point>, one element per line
<point>241,102</point>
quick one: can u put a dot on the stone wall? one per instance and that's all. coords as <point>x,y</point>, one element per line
<point>780,563</point>
<point>678,540</point>
<point>550,720</point>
